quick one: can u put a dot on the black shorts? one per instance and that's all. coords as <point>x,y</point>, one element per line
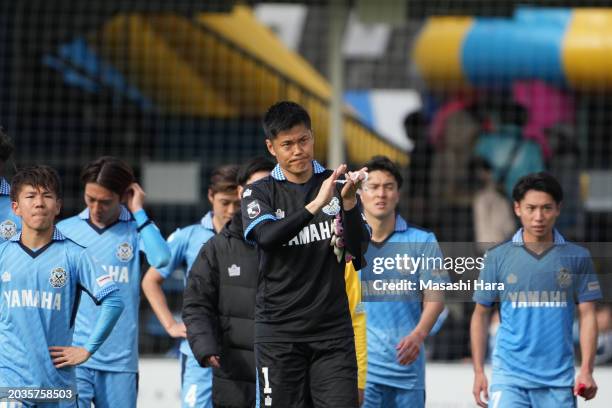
<point>310,374</point>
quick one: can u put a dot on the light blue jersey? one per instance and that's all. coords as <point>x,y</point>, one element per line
<point>537,303</point>
<point>390,320</point>
<point>185,244</point>
<point>40,294</point>
<point>117,249</point>
<point>10,224</point>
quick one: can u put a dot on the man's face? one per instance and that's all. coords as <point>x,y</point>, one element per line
<point>104,205</point>
<point>37,207</point>
<point>293,149</point>
<point>224,205</point>
<point>538,212</point>
<point>380,195</point>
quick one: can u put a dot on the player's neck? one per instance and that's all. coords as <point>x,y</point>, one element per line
<point>381,227</point>
<point>218,224</point>
<point>110,222</point>
<point>538,244</point>
<point>35,239</point>
<point>299,178</point>
<point>542,239</point>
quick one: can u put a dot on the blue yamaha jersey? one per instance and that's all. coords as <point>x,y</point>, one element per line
<point>116,248</point>
<point>40,292</point>
<point>393,318</point>
<point>10,224</point>
<point>185,244</point>
<point>537,304</point>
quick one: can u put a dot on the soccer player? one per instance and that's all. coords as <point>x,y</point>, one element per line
<point>9,222</point>
<point>538,278</point>
<point>117,233</point>
<point>219,303</point>
<point>396,326</point>
<point>43,275</point>
<point>185,244</point>
<point>303,330</point>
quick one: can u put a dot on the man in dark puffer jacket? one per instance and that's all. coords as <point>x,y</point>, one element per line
<point>219,305</point>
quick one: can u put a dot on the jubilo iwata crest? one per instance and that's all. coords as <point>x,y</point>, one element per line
<point>7,229</point>
<point>58,277</point>
<point>125,252</point>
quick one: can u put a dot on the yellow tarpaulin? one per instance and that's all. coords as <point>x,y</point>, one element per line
<point>227,65</point>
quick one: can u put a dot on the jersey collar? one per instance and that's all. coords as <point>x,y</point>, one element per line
<point>277,172</point>
<point>5,187</point>
<point>400,224</point>
<point>558,239</point>
<point>57,236</point>
<point>125,215</point>
<point>207,221</point>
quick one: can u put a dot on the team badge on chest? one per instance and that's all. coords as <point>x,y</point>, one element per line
<point>333,207</point>
<point>125,252</point>
<point>564,278</point>
<point>7,229</point>
<point>58,277</point>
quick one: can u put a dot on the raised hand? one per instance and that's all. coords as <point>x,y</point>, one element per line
<point>135,197</point>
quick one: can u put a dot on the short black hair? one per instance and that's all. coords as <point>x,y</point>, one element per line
<point>385,164</point>
<point>110,172</point>
<point>541,181</point>
<point>36,176</point>
<point>282,116</point>
<point>251,167</point>
<point>6,146</point>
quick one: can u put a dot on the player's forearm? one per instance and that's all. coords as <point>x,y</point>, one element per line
<point>111,309</point>
<point>272,234</point>
<point>356,234</point>
<point>155,247</point>
<point>588,336</point>
<point>152,289</point>
<point>431,311</point>
<point>479,333</point>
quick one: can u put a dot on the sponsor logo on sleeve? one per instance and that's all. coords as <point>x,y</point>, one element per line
<point>593,286</point>
<point>104,280</point>
<point>247,193</point>
<point>253,209</point>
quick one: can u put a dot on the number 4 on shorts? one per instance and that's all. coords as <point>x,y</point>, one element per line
<point>191,396</point>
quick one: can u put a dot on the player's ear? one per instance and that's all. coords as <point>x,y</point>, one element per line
<point>517,208</point>
<point>211,196</point>
<point>15,208</point>
<point>240,190</point>
<point>59,206</point>
<point>270,147</point>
